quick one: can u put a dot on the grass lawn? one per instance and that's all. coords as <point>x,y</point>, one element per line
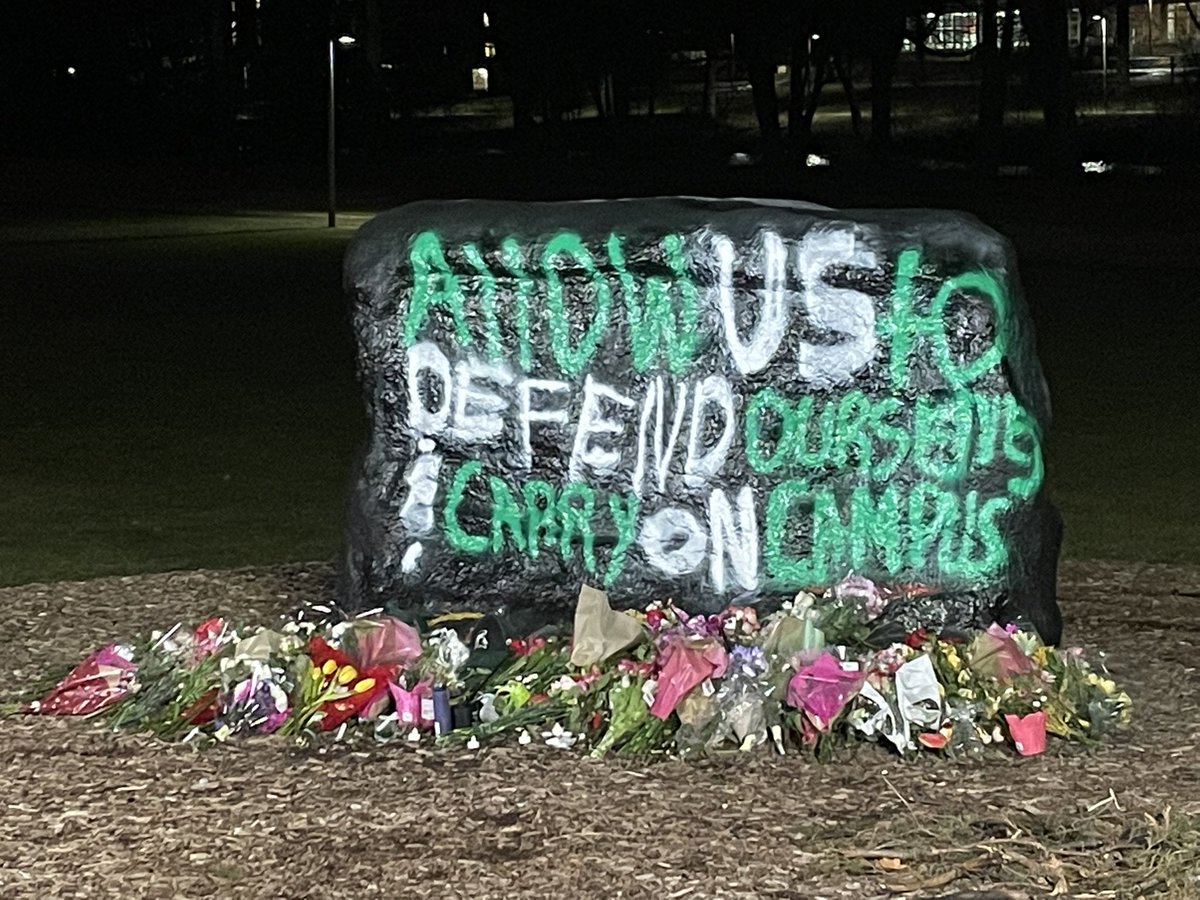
<point>190,401</point>
<point>208,422</point>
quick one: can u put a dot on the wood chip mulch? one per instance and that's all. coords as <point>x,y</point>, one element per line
<point>88,813</point>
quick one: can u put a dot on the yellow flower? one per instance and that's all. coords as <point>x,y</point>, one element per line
<point>964,678</point>
<point>1041,655</point>
<point>329,668</point>
<point>316,674</point>
<point>346,674</point>
<point>365,685</point>
<point>953,660</point>
<point>1057,724</point>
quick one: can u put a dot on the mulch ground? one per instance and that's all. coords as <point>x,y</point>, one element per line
<point>88,813</point>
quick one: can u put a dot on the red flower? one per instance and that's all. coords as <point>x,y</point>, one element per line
<point>916,638</point>
<point>367,685</point>
<point>338,711</point>
<point>204,710</point>
<point>639,668</point>
<point>320,651</point>
<point>524,647</point>
<point>206,635</point>
<point>936,740</point>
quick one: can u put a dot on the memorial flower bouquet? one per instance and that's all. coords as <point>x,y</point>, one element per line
<point>626,683</point>
<point>177,679</point>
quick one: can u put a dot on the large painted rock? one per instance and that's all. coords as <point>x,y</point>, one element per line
<point>715,401</point>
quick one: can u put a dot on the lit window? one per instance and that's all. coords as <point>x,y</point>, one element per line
<point>487,23</point>
<point>479,79</point>
<point>489,50</point>
<point>952,31</point>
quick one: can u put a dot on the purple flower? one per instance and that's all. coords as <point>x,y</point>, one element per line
<point>748,660</point>
<point>257,706</point>
<point>701,625</point>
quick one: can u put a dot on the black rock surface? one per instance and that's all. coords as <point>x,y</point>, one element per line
<point>714,401</point>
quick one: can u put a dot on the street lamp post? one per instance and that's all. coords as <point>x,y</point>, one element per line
<point>331,128</point>
<point>1103,55</point>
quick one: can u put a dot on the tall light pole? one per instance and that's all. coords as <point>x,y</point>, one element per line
<point>1150,27</point>
<point>1103,55</point>
<point>331,148</point>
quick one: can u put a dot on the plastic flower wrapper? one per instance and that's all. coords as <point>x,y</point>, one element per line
<point>684,662</point>
<point>743,708</point>
<point>964,716</point>
<point>100,681</point>
<point>335,689</point>
<point>918,694</point>
<point>600,631</point>
<point>1082,703</point>
<point>697,708</point>
<point>793,629</point>
<point>994,654</point>
<point>1028,733</point>
<point>173,690</point>
<point>822,689</point>
<point>875,717</point>
<point>446,655</point>
<point>258,704</point>
<point>1106,713</point>
<point>628,712</point>
<point>267,645</point>
<point>632,730</point>
<point>383,641</point>
<point>698,724</point>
